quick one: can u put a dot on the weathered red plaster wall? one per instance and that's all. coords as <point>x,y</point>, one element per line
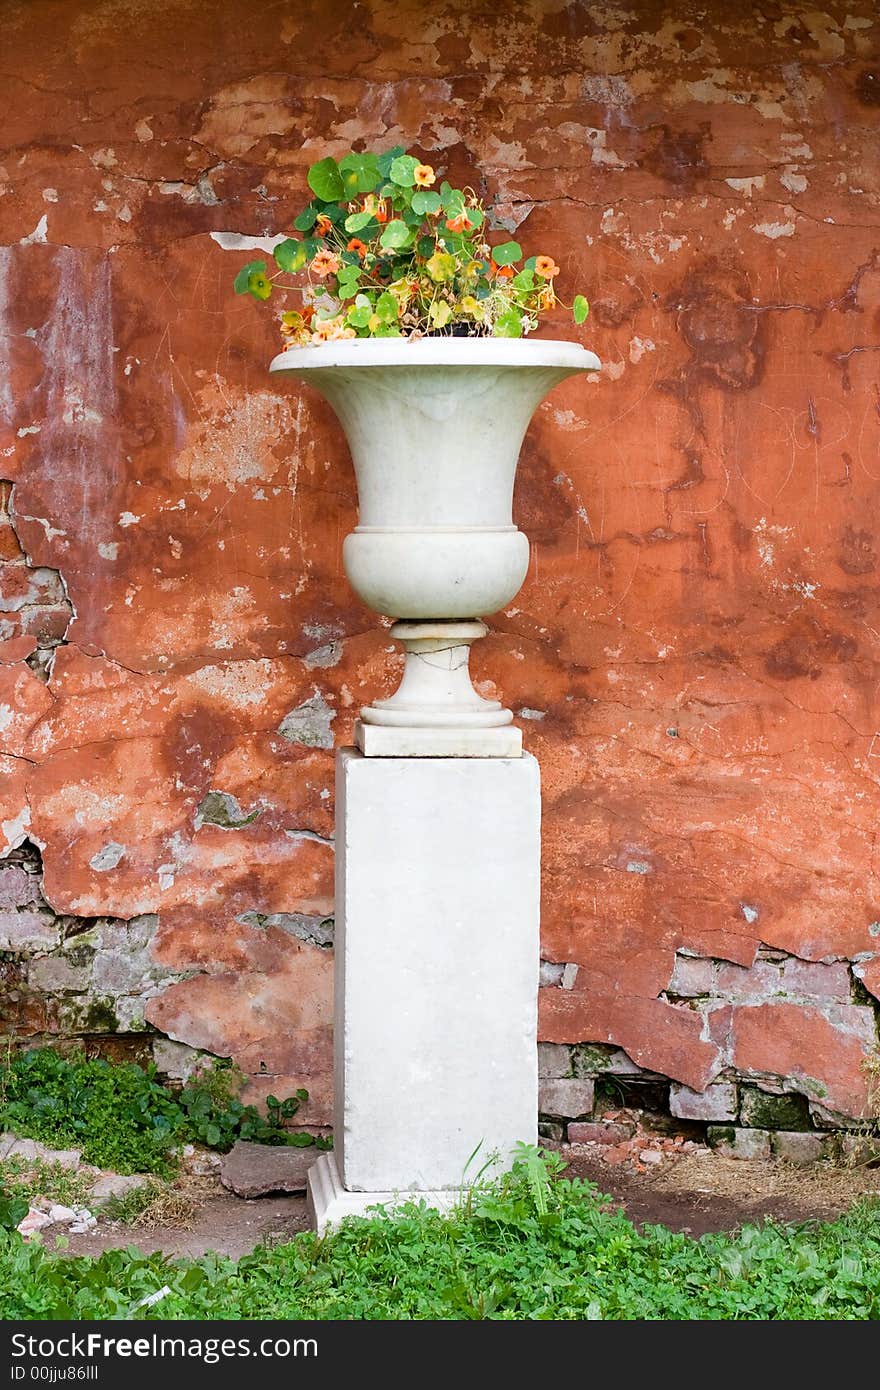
<point>696,646</point>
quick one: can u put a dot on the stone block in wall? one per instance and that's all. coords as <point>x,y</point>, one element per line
<point>759,1109</point>
<point>99,980</point>
<point>693,976</point>
<point>565,1098</point>
<point>17,887</point>
<point>554,1059</point>
<point>600,1132</point>
<point>718,1102</point>
<point>598,1059</point>
<point>798,1146</point>
<point>29,932</point>
<point>789,978</point>
<point>860,1148</point>
<point>733,1142</point>
<point>175,1060</point>
<point>53,974</point>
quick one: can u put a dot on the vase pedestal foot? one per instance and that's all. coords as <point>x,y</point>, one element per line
<point>435,711</point>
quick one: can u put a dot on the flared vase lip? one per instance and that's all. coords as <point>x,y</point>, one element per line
<point>438,352</point>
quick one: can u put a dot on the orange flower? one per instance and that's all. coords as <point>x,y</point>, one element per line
<point>546,267</point>
<point>504,272</point>
<point>424,176</point>
<point>322,224</point>
<point>357,245</point>
<point>325,263</point>
<point>461,223</point>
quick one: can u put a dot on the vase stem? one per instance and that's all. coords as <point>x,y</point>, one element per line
<point>436,697</point>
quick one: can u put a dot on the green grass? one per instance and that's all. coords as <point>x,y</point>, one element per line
<point>122,1118</point>
<point>29,1180</point>
<point>528,1246</point>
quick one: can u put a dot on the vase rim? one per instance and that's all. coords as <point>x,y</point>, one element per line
<point>439,352</point>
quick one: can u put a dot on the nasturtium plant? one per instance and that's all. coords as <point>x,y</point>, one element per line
<point>380,252</point>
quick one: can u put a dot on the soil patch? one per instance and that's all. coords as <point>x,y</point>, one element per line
<point>692,1193</point>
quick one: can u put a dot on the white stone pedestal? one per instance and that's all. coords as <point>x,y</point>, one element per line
<point>437,911</point>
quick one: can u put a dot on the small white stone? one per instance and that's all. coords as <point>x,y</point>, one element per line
<point>34,1221</point>
<point>59,1213</point>
<point>650,1156</point>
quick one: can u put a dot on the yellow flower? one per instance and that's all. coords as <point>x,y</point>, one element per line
<point>424,176</point>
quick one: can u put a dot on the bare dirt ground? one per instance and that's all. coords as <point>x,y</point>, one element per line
<point>692,1193</point>
<point>707,1192</point>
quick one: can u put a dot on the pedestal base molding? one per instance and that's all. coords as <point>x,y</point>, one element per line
<point>385,741</point>
<point>329,1202</point>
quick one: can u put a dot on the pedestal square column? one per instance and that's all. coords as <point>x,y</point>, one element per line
<point>437,955</point>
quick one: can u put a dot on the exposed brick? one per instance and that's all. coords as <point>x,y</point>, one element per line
<point>796,1146</point>
<point>815,980</point>
<point>693,976</point>
<point>10,547</point>
<point>22,586</point>
<point>17,888</point>
<point>554,1059</point>
<point>717,1102</point>
<point>739,1143</point>
<point>565,1098</point>
<point>599,1132</point>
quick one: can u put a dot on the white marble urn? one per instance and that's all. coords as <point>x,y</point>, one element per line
<point>435,428</point>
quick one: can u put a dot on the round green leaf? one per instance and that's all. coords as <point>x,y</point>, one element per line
<point>395,235</point>
<point>426,201</point>
<point>440,313</point>
<point>360,172</point>
<point>509,324</point>
<point>258,285</point>
<point>441,267</point>
<point>241,284</point>
<point>580,308</point>
<point>506,253</point>
<point>306,219</point>
<point>386,160</point>
<point>290,255</point>
<point>387,308</point>
<point>348,282</point>
<point>325,179</point>
<point>403,170</point>
<point>357,221</point>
